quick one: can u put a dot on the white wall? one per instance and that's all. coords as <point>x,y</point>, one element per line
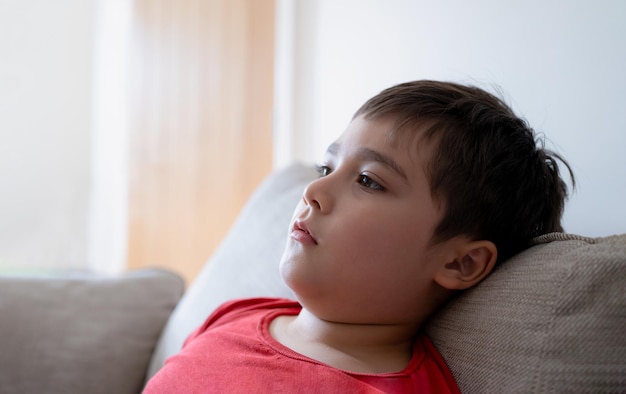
<point>45,120</point>
<point>107,229</point>
<point>560,63</point>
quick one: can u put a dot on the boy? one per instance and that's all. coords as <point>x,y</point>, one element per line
<point>429,187</point>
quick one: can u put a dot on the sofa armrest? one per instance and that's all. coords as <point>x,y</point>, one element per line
<point>82,334</point>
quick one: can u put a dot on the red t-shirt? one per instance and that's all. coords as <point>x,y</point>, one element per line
<point>233,351</point>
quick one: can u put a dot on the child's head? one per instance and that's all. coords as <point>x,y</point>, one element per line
<point>429,185</point>
<point>488,173</point>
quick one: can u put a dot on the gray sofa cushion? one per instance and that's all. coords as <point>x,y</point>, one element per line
<point>82,334</point>
<point>551,319</point>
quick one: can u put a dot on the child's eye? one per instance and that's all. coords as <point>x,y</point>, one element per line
<point>323,170</point>
<point>369,183</point>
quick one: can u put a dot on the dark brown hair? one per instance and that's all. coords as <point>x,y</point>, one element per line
<point>490,170</point>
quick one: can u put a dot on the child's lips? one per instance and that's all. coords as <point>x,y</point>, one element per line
<point>302,234</point>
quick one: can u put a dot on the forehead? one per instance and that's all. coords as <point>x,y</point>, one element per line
<point>390,134</point>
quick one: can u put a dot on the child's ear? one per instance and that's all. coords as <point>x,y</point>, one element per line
<point>473,262</point>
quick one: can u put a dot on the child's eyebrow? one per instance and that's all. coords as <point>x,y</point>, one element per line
<point>367,154</point>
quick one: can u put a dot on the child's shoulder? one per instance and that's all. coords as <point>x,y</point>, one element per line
<point>238,308</point>
<point>250,304</point>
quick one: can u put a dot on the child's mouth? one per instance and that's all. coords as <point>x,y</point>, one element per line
<point>302,234</point>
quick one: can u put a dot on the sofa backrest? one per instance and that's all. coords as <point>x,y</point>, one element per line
<point>549,319</point>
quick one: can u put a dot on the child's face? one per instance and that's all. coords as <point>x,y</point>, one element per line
<point>359,250</point>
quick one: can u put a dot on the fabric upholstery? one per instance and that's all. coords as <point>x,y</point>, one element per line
<point>551,319</point>
<point>82,334</point>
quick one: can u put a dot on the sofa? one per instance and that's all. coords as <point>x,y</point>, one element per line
<point>551,319</point>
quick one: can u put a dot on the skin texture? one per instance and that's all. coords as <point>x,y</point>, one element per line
<point>359,256</point>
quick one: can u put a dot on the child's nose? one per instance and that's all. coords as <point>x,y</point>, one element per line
<point>317,195</point>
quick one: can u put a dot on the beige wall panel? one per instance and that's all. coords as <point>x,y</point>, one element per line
<point>201,94</point>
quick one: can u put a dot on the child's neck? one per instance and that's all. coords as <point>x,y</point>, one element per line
<point>365,348</point>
